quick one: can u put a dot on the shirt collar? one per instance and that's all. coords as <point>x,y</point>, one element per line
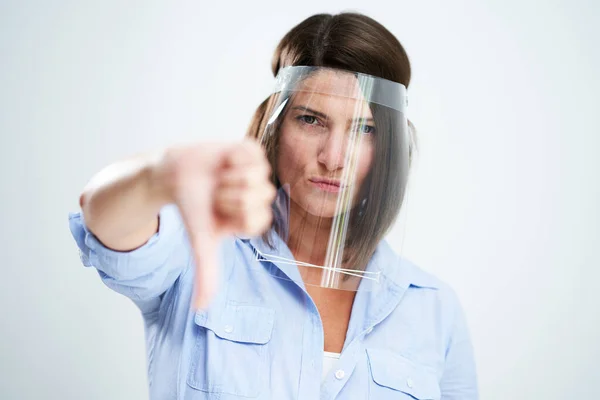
<point>403,272</point>
<point>279,250</point>
<point>400,271</point>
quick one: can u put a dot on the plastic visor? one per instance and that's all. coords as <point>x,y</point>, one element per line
<point>339,143</point>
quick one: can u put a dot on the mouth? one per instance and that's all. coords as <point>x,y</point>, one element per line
<point>327,185</point>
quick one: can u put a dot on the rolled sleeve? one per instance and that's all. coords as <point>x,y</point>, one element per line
<point>459,381</point>
<point>143,273</point>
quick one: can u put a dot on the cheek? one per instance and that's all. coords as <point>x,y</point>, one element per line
<point>290,158</point>
<point>366,161</point>
<point>295,152</point>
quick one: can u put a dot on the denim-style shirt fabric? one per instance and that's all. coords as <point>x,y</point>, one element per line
<point>262,337</point>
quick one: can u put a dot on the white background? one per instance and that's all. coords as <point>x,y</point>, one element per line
<point>503,202</point>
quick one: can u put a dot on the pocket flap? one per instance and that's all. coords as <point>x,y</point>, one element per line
<point>399,373</point>
<point>239,323</point>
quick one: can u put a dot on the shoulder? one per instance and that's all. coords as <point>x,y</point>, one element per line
<point>406,274</point>
<point>427,309</point>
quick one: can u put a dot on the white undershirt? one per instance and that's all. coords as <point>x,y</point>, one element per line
<point>328,360</point>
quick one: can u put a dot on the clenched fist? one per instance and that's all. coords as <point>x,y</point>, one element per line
<point>220,189</point>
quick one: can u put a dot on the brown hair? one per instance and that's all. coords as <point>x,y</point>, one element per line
<point>353,42</point>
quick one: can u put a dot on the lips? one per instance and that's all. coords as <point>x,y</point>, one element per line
<point>328,185</point>
<point>332,182</point>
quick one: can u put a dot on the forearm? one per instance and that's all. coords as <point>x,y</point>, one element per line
<point>120,204</point>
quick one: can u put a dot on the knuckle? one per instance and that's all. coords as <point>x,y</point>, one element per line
<point>253,145</point>
<point>247,178</point>
<point>239,201</point>
<point>266,221</point>
<point>248,223</point>
<point>272,192</point>
<point>246,203</point>
<point>267,170</point>
<point>258,222</point>
<point>268,218</point>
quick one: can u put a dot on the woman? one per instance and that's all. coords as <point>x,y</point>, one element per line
<point>318,306</point>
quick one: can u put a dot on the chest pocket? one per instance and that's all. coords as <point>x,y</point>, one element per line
<point>229,354</point>
<point>396,377</point>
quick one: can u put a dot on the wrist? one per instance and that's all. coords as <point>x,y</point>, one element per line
<point>159,177</point>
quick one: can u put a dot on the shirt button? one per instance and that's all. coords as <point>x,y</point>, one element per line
<point>228,328</point>
<point>409,382</point>
<point>339,374</point>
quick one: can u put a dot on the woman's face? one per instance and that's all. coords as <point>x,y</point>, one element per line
<point>326,144</point>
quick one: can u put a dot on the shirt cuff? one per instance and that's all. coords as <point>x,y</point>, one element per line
<point>127,265</point>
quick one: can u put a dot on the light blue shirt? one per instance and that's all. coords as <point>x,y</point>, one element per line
<point>262,337</point>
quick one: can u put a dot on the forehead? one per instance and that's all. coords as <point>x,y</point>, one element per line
<point>333,92</point>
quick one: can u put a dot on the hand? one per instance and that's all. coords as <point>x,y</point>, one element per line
<point>220,189</point>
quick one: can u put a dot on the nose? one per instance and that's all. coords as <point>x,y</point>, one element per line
<point>332,153</point>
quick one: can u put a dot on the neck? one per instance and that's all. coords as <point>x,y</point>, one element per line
<point>308,235</point>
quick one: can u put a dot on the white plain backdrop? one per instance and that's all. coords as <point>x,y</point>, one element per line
<point>503,202</point>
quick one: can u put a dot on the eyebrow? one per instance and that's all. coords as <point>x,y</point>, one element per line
<point>324,116</point>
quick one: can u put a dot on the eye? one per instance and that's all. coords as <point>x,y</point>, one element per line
<point>366,129</point>
<point>308,119</point>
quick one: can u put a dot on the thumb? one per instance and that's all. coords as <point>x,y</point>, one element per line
<point>198,219</point>
<point>206,269</point>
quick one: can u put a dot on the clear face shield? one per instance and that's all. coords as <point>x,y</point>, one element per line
<point>339,141</point>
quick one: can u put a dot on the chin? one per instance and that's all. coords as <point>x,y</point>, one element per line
<point>326,214</point>
<point>321,209</point>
